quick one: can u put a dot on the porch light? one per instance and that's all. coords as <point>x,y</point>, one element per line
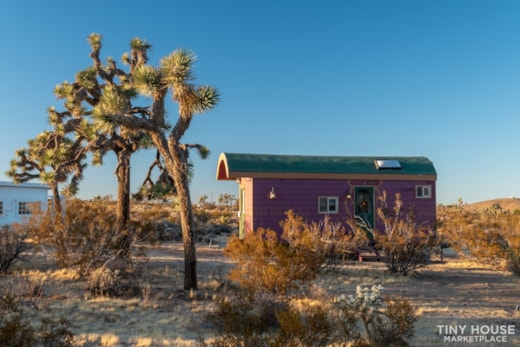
<point>272,194</point>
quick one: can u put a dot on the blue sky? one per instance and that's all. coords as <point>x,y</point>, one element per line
<point>408,78</point>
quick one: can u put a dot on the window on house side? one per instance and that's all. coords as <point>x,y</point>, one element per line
<point>24,208</point>
<point>423,192</point>
<point>1,207</point>
<point>327,204</point>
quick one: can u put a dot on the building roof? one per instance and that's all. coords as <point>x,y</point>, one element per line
<point>235,165</point>
<point>24,185</point>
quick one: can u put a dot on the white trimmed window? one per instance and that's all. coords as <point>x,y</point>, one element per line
<point>328,204</point>
<point>24,208</point>
<point>423,192</point>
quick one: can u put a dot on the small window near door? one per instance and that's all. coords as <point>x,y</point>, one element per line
<point>328,204</point>
<point>423,192</point>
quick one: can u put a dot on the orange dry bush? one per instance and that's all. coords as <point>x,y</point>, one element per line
<point>489,236</point>
<point>266,262</point>
<point>84,237</point>
<point>407,245</point>
<point>259,267</point>
<point>311,326</point>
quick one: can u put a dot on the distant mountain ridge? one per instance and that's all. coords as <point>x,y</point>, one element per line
<point>505,203</point>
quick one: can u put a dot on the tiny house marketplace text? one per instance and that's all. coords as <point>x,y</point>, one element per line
<point>476,333</point>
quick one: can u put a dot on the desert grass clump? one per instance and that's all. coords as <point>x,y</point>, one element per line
<point>31,284</point>
<point>106,282</point>
<point>13,246</point>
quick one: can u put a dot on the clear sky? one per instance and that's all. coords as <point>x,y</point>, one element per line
<point>439,79</point>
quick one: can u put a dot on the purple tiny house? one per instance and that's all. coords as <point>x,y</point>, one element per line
<point>316,186</point>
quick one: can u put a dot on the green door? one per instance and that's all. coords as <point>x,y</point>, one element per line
<point>364,208</point>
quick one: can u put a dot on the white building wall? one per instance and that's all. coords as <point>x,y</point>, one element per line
<point>14,197</point>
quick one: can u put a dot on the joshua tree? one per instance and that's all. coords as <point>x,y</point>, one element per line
<point>51,157</point>
<point>175,74</point>
<point>81,97</point>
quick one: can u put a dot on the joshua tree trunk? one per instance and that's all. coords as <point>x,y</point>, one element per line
<point>123,189</point>
<point>176,161</point>
<point>180,177</point>
<point>55,197</point>
<point>122,173</point>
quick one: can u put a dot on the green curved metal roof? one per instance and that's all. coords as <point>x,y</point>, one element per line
<point>234,165</point>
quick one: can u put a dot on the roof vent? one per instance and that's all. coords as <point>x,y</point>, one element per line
<point>387,164</point>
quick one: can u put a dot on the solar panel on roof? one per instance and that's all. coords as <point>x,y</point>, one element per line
<point>387,164</point>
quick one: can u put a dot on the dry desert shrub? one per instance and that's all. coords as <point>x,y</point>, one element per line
<point>266,262</point>
<point>266,311</point>
<point>13,246</point>
<point>366,319</point>
<point>83,238</point>
<point>106,282</point>
<point>490,236</point>
<point>406,244</point>
<point>149,221</point>
<point>18,332</point>
<point>310,325</point>
<point>384,321</point>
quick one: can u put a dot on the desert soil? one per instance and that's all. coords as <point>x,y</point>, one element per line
<point>450,293</point>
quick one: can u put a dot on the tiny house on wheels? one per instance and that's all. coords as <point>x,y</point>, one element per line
<point>19,201</point>
<point>316,186</point>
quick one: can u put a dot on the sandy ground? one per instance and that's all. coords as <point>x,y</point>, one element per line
<point>446,295</point>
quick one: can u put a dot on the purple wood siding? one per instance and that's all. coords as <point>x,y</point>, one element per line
<point>301,195</point>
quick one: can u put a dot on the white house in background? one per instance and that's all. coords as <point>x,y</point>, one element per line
<point>19,201</point>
